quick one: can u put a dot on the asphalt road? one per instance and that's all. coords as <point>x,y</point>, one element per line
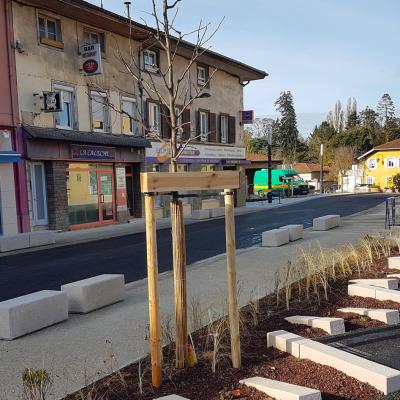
<point>48,269</point>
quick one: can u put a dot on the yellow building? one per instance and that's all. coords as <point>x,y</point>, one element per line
<point>379,165</point>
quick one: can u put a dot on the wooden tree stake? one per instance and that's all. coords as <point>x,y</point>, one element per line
<point>154,306</point>
<point>179,265</point>
<point>232,286</point>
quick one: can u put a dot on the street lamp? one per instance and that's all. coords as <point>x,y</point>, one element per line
<point>321,172</point>
<point>269,146</point>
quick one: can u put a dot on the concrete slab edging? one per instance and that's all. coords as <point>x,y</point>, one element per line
<point>281,390</point>
<point>383,378</point>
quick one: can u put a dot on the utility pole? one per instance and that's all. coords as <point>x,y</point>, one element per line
<point>321,173</point>
<point>269,151</point>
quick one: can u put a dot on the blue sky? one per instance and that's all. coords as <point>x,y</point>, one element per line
<point>321,50</point>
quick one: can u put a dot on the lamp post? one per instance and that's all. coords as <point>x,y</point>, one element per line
<point>321,172</point>
<point>269,151</point>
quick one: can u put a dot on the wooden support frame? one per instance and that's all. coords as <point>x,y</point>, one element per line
<point>164,182</point>
<point>161,182</point>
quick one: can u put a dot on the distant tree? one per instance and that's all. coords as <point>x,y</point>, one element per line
<point>343,159</point>
<point>351,113</point>
<point>260,127</point>
<point>247,140</point>
<point>324,133</point>
<point>287,136</point>
<point>385,109</point>
<point>392,129</point>
<point>396,181</point>
<point>259,144</point>
<point>335,117</point>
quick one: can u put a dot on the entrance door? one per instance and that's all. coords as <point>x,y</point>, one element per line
<point>38,192</point>
<point>105,184</point>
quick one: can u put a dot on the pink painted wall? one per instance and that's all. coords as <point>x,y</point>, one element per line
<point>9,113</point>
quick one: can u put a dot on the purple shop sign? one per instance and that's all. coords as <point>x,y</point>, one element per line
<point>188,160</point>
<point>81,152</point>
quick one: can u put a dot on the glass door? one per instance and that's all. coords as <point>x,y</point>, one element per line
<point>38,192</point>
<point>106,196</point>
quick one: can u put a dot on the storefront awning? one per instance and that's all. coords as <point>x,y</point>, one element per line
<point>9,156</point>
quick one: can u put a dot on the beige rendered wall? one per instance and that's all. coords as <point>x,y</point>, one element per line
<point>39,65</point>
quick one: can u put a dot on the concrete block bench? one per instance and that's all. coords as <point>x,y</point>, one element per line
<point>172,397</point>
<point>390,317</point>
<point>217,212</point>
<point>394,276</point>
<point>201,214</point>
<point>326,222</point>
<point>209,203</point>
<point>295,232</point>
<point>14,242</point>
<point>90,294</point>
<point>383,378</point>
<point>281,390</point>
<point>26,240</point>
<point>388,283</point>
<point>29,313</point>
<point>42,238</point>
<point>375,292</point>
<point>334,326</point>
<point>275,237</point>
<point>394,262</point>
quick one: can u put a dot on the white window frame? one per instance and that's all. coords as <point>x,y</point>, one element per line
<point>370,180</point>
<point>204,131</point>
<point>92,94</point>
<point>372,161</point>
<point>389,159</point>
<point>224,128</point>
<point>35,220</point>
<point>201,80</point>
<point>150,67</point>
<point>63,88</point>
<point>125,99</point>
<point>101,38</point>
<point>154,126</point>
<point>57,24</point>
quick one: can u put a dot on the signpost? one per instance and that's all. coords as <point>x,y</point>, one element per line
<point>269,139</point>
<point>321,172</point>
<point>91,59</point>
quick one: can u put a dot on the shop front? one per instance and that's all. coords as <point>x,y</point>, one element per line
<point>80,185</point>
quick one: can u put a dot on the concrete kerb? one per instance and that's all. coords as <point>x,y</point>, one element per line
<point>379,376</point>
<point>281,390</point>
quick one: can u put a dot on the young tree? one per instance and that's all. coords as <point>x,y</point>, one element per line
<point>351,113</point>
<point>335,118</point>
<point>287,134</point>
<point>260,127</point>
<point>385,109</point>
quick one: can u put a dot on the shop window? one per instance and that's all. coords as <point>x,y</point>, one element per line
<point>207,167</point>
<point>129,118</point>
<point>204,123</point>
<point>180,168</point>
<point>50,31</point>
<point>224,128</point>
<point>93,37</point>
<point>154,118</point>
<point>150,59</point>
<point>99,111</point>
<point>370,180</point>
<point>65,119</point>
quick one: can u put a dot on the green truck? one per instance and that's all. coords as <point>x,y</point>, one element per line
<point>283,182</point>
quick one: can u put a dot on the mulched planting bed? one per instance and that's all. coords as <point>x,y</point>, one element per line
<point>200,383</point>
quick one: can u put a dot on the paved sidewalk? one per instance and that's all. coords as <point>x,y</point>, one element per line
<point>87,347</point>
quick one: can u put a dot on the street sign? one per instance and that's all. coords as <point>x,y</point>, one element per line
<point>52,102</point>
<point>247,117</point>
<point>91,59</point>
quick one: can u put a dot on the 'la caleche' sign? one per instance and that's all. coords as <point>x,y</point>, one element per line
<point>79,152</point>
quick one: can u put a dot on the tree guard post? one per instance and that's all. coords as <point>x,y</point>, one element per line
<point>231,272</point>
<point>179,268</point>
<point>152,277</point>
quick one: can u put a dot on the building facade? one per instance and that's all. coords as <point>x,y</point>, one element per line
<point>378,166</point>
<point>14,216</point>
<point>83,162</point>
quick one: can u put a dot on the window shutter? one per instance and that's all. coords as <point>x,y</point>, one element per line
<point>158,58</point>
<point>186,126</point>
<point>231,130</point>
<point>165,122</point>
<point>59,32</point>
<point>198,125</point>
<point>213,128</point>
